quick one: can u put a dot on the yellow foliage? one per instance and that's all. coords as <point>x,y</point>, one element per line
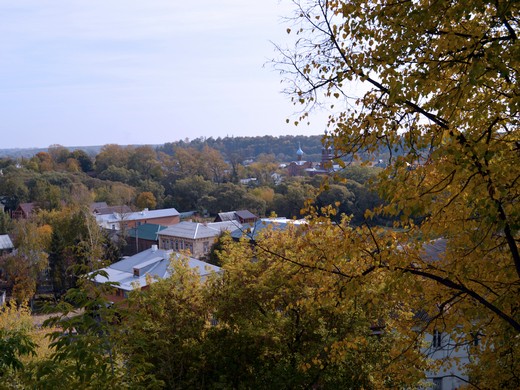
<point>441,99</point>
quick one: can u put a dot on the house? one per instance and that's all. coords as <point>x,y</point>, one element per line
<point>195,237</point>
<point>6,245</point>
<point>118,221</point>
<point>24,210</point>
<point>242,216</point>
<point>141,238</point>
<point>444,348</point>
<point>143,268</point>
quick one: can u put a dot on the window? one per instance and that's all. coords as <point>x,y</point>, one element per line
<point>437,384</point>
<point>205,245</point>
<point>437,339</point>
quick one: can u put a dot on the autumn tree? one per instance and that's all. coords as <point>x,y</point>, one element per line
<point>143,159</point>
<point>263,168</point>
<point>111,154</point>
<point>215,164</point>
<point>146,200</point>
<point>280,324</point>
<point>15,342</point>
<point>24,267</point>
<point>439,85</point>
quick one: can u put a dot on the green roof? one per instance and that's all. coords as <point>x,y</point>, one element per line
<point>146,231</point>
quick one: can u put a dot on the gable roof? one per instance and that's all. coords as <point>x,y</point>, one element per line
<point>27,208</point>
<point>226,216</point>
<point>151,262</point>
<point>146,231</point>
<point>196,230</point>
<point>95,205</point>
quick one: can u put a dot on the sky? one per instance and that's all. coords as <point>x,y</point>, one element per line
<point>93,72</point>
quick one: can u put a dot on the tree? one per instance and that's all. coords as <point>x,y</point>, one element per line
<point>111,154</point>
<point>338,196</point>
<point>143,159</point>
<point>24,267</point>
<point>83,159</point>
<point>162,335</point>
<point>146,200</point>
<point>115,194</point>
<point>15,340</point>
<point>281,325</point>
<point>291,200</point>
<point>263,168</point>
<point>188,192</point>
<point>215,164</point>
<point>82,352</point>
<point>442,89</point>
<point>59,153</point>
<point>5,223</point>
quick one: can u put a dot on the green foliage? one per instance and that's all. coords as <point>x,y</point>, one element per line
<point>188,192</point>
<point>82,355</point>
<point>163,331</point>
<point>15,339</point>
<point>5,223</point>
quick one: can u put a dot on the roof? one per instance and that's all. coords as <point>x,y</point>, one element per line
<point>245,214</point>
<point>5,242</point>
<point>235,215</point>
<point>187,214</point>
<point>146,231</point>
<point>153,262</point>
<point>95,205</point>
<point>196,230</point>
<point>27,208</point>
<point>227,216</point>
<point>434,250</point>
<point>252,231</point>
<point>138,215</point>
<point>124,209</point>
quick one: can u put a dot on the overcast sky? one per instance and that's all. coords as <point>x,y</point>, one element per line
<point>92,72</point>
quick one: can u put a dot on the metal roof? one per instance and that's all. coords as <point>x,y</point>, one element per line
<point>5,242</point>
<point>196,230</point>
<point>146,231</point>
<point>154,263</point>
